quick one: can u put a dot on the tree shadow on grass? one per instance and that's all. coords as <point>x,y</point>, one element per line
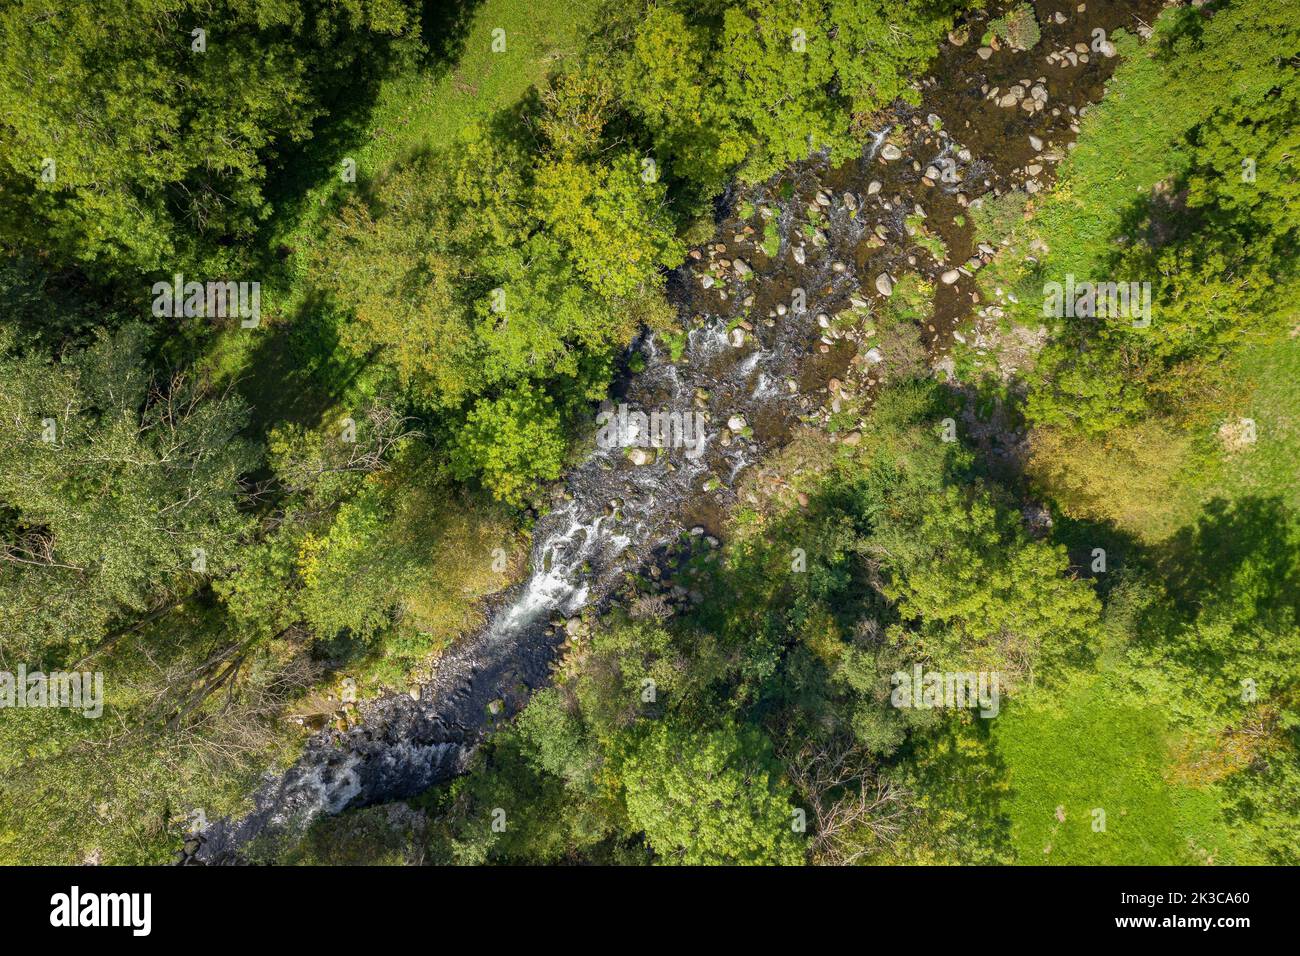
<point>298,370</point>
<point>349,97</point>
<point>1252,541</point>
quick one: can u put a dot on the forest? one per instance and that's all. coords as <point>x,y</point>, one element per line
<point>313,550</point>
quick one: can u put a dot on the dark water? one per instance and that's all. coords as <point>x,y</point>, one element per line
<point>610,515</point>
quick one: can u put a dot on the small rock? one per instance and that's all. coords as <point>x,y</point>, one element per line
<point>984,53</point>
<point>742,268</point>
<point>1036,143</point>
<point>737,423</point>
<point>949,277</point>
<point>884,284</point>
<point>890,152</point>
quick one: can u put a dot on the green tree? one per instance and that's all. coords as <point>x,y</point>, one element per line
<point>710,797</point>
<point>512,441</point>
<point>980,594</point>
<point>126,149</point>
<point>121,487</point>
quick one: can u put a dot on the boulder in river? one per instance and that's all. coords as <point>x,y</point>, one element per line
<point>890,152</point>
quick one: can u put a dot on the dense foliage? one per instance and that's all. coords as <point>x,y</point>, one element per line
<point>239,526</point>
